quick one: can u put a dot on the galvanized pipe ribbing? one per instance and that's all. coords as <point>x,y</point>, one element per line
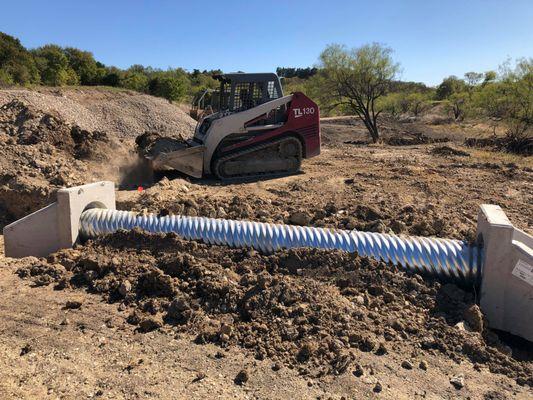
<point>446,258</point>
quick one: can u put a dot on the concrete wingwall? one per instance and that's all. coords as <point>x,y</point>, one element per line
<point>57,225</point>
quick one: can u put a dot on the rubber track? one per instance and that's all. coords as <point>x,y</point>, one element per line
<point>252,149</point>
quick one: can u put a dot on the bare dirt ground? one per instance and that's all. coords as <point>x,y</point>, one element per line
<point>139,316</point>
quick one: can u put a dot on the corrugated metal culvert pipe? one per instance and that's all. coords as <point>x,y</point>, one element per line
<point>446,258</point>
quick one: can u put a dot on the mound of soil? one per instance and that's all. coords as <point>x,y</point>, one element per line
<point>122,114</point>
<point>52,138</point>
<point>182,198</point>
<point>307,309</point>
<point>25,125</point>
<point>522,144</point>
<point>448,151</point>
<point>40,153</point>
<point>411,138</point>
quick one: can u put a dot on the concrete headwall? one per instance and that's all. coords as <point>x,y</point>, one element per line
<point>507,276</point>
<point>57,225</point>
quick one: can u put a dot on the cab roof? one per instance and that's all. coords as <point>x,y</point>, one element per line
<point>243,77</point>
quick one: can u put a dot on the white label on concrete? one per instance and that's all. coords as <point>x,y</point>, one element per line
<point>524,271</point>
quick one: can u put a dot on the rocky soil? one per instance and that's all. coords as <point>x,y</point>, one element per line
<point>121,113</point>
<point>308,310</point>
<point>53,139</point>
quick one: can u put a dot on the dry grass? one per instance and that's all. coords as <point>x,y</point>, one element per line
<point>501,157</point>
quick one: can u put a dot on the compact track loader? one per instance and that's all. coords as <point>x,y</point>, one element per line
<point>253,131</point>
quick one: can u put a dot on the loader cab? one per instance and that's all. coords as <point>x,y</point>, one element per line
<point>241,91</point>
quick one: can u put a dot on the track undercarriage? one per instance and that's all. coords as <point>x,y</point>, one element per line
<point>274,158</point>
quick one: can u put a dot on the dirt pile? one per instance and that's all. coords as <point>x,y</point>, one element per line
<point>40,153</point>
<point>122,114</point>
<point>28,126</point>
<point>448,151</point>
<point>410,138</point>
<point>52,138</point>
<point>518,144</point>
<point>309,310</point>
<point>185,198</point>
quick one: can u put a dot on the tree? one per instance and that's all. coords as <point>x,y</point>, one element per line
<point>409,87</point>
<point>201,81</point>
<point>16,63</point>
<point>134,81</point>
<point>509,99</point>
<point>139,69</point>
<point>449,86</point>
<point>172,85</point>
<point>302,73</point>
<point>473,78</point>
<point>84,64</point>
<point>488,77</point>
<point>54,67</point>
<point>517,101</point>
<point>111,77</point>
<point>358,78</point>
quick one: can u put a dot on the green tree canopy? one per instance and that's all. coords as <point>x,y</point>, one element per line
<point>16,63</point>
<point>173,85</point>
<point>473,78</point>
<point>449,86</point>
<point>358,78</point>
<point>489,76</point>
<point>54,67</point>
<point>134,81</point>
<point>84,64</point>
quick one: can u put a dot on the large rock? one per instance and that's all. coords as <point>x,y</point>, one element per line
<point>301,218</point>
<point>474,318</point>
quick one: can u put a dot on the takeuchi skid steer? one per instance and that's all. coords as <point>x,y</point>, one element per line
<point>253,131</point>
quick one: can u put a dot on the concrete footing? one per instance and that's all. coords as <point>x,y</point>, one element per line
<point>507,275</point>
<point>57,225</point>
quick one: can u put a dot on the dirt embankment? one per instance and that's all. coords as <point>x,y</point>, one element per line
<point>40,153</point>
<point>58,138</point>
<point>122,114</point>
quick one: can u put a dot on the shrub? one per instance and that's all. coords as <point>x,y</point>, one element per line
<point>134,81</point>
<point>5,78</point>
<point>172,85</point>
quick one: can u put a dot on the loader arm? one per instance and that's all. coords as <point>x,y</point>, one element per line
<point>235,123</point>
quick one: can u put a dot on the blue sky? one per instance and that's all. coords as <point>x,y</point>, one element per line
<point>431,39</point>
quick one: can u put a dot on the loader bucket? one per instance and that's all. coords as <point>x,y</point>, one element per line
<point>189,160</point>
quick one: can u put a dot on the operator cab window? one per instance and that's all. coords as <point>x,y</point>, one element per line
<point>272,91</point>
<point>248,95</point>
